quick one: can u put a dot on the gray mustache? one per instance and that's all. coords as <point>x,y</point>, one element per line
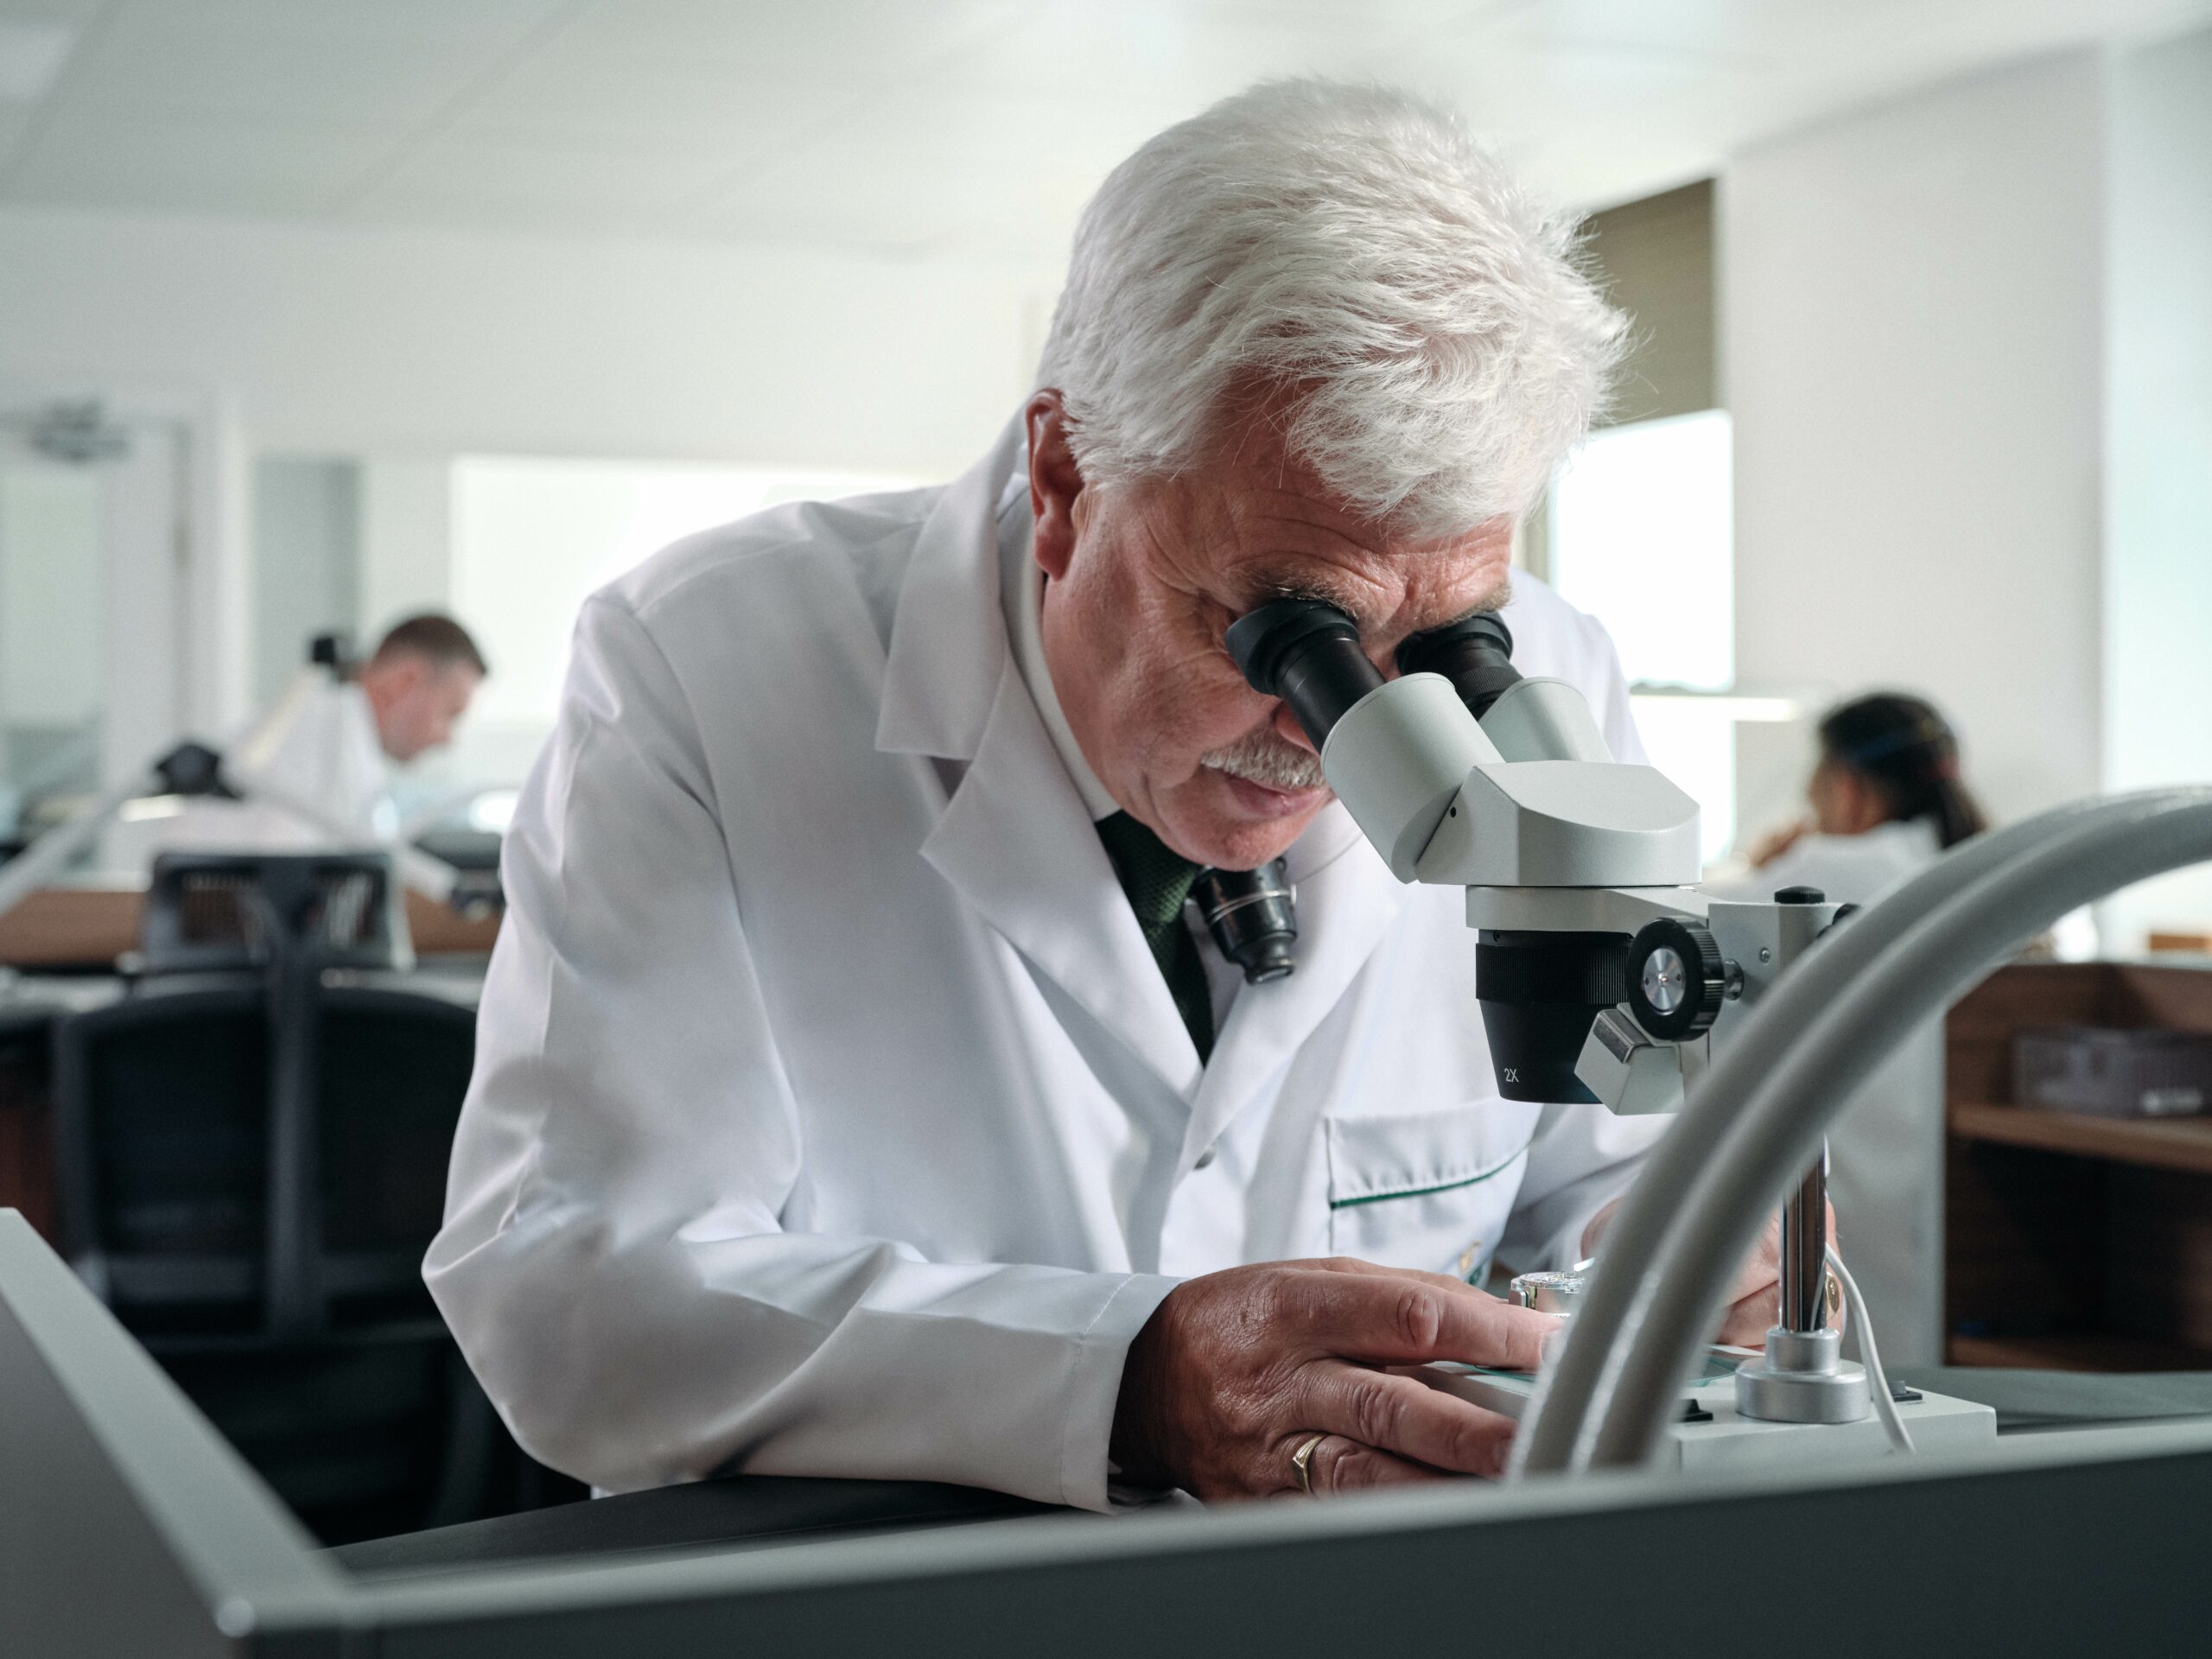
<point>1262,758</point>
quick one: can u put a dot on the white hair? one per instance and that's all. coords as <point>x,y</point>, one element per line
<point>1353,245</point>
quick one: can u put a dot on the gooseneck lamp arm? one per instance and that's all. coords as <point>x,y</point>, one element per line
<point>1637,1239</point>
<point>1840,1019</point>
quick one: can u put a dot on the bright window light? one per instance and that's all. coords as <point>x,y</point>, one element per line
<point>534,537</point>
<point>1642,537</point>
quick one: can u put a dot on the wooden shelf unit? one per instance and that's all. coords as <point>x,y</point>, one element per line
<point>2154,1143</point>
<point>2073,1242</point>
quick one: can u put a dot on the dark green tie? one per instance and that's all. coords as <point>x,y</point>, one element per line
<point>1157,880</point>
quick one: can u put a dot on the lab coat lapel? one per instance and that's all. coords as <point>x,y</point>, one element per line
<point>1344,907</point>
<point>1014,839</point>
<point>948,637</point>
<point>1018,844</point>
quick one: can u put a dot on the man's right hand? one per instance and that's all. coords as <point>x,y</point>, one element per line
<point>1236,1371</point>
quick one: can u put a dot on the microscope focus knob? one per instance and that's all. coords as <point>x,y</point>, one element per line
<point>1677,979</point>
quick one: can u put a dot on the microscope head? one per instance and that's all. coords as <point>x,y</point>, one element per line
<point>1463,773</point>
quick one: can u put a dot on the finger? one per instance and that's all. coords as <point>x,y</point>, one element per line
<point>1404,1417</point>
<point>1403,1318</point>
<point>1354,1264</point>
<point>1338,1464</point>
<point>1762,1269</point>
<point>1747,1322</point>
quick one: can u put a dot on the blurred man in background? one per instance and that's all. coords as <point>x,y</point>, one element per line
<point>317,771</point>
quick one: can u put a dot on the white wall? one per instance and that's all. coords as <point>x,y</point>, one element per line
<point>1911,305</point>
<point>307,522</point>
<point>406,541</point>
<point>2159,449</point>
<point>413,346</point>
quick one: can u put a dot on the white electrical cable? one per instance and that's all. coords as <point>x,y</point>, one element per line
<point>1877,1384</point>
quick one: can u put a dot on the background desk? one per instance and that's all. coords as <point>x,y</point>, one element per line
<point>58,955</point>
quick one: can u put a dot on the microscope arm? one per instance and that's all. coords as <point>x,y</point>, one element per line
<point>1759,1116</point>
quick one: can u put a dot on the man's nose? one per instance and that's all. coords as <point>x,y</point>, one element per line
<point>1287,728</point>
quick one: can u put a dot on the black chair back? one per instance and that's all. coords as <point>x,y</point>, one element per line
<point>231,910</point>
<point>253,1164</point>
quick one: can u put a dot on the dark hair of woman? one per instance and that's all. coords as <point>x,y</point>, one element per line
<point>1909,753</point>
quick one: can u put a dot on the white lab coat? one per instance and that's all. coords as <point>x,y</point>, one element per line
<point>831,1116</point>
<point>1885,1151</point>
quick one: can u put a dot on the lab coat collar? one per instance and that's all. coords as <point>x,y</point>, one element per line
<point>1017,842</point>
<point>1016,838</point>
<point>948,647</point>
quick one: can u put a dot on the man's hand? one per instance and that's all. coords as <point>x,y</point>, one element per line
<point>1236,1371</point>
<point>1755,1293</point>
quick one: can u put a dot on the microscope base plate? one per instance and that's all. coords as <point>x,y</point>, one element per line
<point>1773,1395</point>
<point>1724,1441</point>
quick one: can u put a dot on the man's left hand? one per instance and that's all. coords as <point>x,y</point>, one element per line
<point>1754,1295</point>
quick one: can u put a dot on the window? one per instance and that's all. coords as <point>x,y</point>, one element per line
<point>532,539</point>
<point>1642,537</point>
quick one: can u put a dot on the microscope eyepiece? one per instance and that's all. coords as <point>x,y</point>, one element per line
<point>1475,654</point>
<point>1308,652</point>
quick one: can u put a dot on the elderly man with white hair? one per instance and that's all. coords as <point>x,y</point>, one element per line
<point>854,1093</point>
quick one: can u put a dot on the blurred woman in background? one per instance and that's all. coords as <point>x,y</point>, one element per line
<point>1887,799</point>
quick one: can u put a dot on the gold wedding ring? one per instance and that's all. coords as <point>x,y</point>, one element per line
<point>1301,1460</point>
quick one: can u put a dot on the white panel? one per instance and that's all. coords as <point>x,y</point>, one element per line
<point>306,80</point>
<point>143,671</point>
<point>934,167</point>
<point>827,43</point>
<point>480,179</point>
<point>15,123</point>
<point>1911,318</point>
<point>846,195</point>
<point>2159,453</point>
<point>1176,54</point>
<point>194,165</point>
<point>431,21</point>
<point>345,340</point>
<point>51,582</point>
<point>563,92</point>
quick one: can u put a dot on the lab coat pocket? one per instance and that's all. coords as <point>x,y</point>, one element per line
<point>1428,1190</point>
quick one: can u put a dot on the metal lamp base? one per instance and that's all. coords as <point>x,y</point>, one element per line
<point>1801,1379</point>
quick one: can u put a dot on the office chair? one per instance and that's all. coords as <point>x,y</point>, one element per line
<point>252,1152</point>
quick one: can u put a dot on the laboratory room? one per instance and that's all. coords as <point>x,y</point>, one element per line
<point>1168,827</point>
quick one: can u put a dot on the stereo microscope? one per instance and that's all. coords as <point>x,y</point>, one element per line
<point>1603,974</point>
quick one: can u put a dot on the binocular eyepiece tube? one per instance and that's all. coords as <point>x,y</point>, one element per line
<point>1538,991</point>
<point>1308,652</point>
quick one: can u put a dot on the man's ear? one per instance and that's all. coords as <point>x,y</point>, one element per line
<point>1054,483</point>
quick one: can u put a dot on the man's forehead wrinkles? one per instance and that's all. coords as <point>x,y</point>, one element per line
<point>1303,580</point>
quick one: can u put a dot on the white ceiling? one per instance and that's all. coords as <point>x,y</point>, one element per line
<point>913,128</point>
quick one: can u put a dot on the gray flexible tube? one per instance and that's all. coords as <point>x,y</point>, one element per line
<point>1940,956</point>
<point>1553,1425</point>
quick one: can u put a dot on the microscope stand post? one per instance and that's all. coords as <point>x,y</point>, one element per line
<point>1802,1377</point>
